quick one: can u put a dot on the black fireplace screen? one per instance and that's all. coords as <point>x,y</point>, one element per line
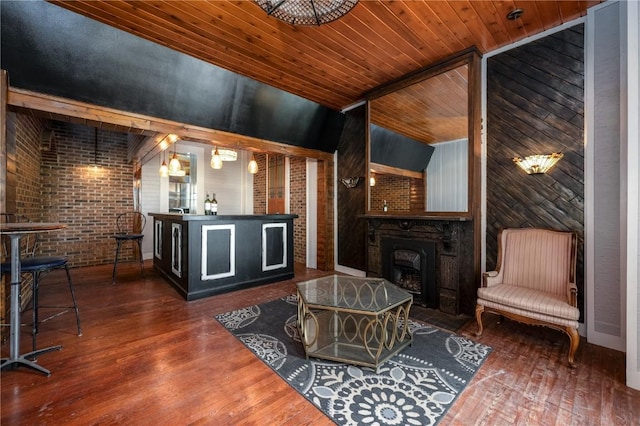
<point>410,264</point>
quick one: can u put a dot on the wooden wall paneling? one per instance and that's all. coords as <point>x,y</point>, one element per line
<point>4,85</point>
<point>535,105</point>
<point>4,280</point>
<point>325,253</point>
<point>352,162</point>
<point>468,292</point>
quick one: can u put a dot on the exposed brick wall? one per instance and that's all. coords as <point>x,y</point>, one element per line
<point>298,196</point>
<point>23,148</point>
<point>28,132</point>
<point>393,189</point>
<point>260,185</point>
<point>85,197</point>
<point>417,196</point>
<point>298,205</point>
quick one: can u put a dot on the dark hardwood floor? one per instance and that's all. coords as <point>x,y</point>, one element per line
<point>147,357</point>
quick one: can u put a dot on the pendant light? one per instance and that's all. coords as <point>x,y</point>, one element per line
<point>164,170</point>
<point>174,165</point>
<point>216,161</point>
<point>253,166</point>
<point>95,148</point>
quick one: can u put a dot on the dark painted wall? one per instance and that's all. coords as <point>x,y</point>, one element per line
<point>51,50</point>
<point>352,201</point>
<point>535,105</point>
<point>395,150</point>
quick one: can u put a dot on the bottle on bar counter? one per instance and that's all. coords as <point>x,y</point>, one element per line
<point>207,205</point>
<point>214,205</point>
<point>385,207</point>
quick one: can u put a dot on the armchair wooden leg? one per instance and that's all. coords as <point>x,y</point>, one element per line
<point>479,311</point>
<point>574,339</point>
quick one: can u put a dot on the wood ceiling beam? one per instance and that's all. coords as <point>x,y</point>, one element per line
<point>21,98</point>
<point>383,169</point>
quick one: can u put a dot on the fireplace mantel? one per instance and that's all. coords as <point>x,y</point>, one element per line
<point>400,216</point>
<point>453,238</point>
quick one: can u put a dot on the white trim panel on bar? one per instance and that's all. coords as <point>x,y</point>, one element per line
<point>283,263</point>
<point>231,228</point>
<point>176,249</point>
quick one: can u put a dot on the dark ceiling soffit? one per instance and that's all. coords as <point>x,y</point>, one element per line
<point>395,150</point>
<point>50,50</point>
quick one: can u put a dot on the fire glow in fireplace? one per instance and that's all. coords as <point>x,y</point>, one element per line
<point>410,264</point>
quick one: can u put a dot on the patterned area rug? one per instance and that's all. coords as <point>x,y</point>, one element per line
<point>415,387</point>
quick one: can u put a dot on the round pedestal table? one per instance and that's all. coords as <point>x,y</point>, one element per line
<point>15,231</point>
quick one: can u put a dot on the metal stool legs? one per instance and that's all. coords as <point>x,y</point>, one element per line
<point>115,264</point>
<point>140,254</point>
<point>118,244</point>
<point>36,305</point>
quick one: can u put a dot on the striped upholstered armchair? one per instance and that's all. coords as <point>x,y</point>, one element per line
<point>534,281</point>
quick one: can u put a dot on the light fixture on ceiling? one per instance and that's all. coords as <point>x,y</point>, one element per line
<point>307,12</point>
<point>164,170</point>
<point>95,148</point>
<point>216,160</point>
<point>175,167</point>
<point>540,163</point>
<point>515,14</point>
<point>253,165</point>
<point>227,154</point>
<point>174,164</point>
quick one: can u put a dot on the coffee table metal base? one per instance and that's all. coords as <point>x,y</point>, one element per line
<point>362,338</point>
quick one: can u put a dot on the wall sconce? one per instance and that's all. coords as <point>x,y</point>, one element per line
<point>253,165</point>
<point>536,164</point>
<point>216,160</point>
<point>350,182</point>
<point>372,181</point>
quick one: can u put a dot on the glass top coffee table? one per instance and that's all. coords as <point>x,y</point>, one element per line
<point>362,321</point>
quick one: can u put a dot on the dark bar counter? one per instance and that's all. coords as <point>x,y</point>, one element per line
<point>202,255</point>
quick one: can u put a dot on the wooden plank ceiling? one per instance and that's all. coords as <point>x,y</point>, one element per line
<point>336,63</point>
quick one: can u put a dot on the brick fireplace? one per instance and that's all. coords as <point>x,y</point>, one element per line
<point>433,259</point>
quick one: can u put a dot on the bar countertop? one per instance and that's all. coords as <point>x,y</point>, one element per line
<point>193,217</point>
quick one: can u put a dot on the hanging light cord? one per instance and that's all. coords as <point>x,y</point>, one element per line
<point>95,146</point>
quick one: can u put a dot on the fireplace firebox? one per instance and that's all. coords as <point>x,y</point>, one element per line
<point>411,265</point>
